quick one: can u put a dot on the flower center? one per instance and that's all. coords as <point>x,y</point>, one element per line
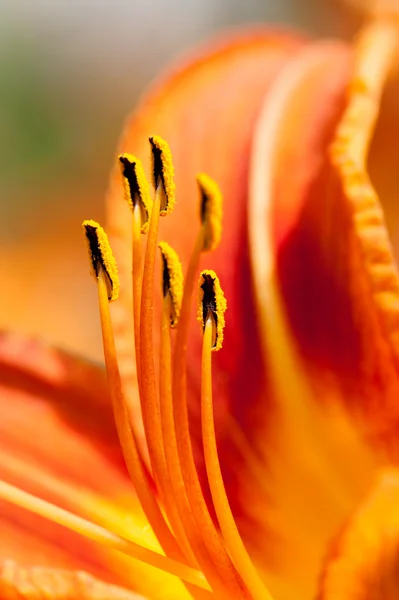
<point>207,557</point>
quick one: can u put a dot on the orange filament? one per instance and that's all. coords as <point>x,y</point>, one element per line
<point>150,401</point>
<point>192,484</point>
<point>126,435</point>
<point>172,456</point>
<point>137,276</point>
<point>165,395</point>
<point>101,535</point>
<point>227,523</point>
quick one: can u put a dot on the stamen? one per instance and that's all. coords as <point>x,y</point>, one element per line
<point>101,535</point>
<point>213,303</point>
<point>101,257</point>
<point>136,187</point>
<point>163,173</point>
<point>126,435</point>
<point>211,300</point>
<point>192,484</point>
<point>137,194</point>
<point>163,169</point>
<point>191,536</point>
<point>210,211</point>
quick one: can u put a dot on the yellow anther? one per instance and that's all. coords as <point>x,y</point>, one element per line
<point>163,173</point>
<point>210,211</point>
<point>101,257</point>
<point>212,303</point>
<point>172,280</point>
<point>136,187</point>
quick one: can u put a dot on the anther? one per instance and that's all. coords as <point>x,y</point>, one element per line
<point>172,280</point>
<point>101,257</point>
<point>212,303</point>
<point>210,211</point>
<point>136,187</point>
<point>163,173</point>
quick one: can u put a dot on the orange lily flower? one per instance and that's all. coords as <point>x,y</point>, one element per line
<point>285,487</point>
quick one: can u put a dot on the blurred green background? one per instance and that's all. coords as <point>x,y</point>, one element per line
<point>70,71</point>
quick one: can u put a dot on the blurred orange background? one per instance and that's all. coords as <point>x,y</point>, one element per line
<point>70,71</point>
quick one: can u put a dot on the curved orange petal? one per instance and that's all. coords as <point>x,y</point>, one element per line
<point>58,441</point>
<point>324,262</point>
<point>340,291</point>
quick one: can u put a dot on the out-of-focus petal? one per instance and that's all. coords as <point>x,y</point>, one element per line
<point>58,441</point>
<point>364,561</point>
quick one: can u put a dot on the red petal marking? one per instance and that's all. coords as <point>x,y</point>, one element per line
<point>37,583</point>
<point>365,562</point>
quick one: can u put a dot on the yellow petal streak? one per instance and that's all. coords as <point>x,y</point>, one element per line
<point>365,563</point>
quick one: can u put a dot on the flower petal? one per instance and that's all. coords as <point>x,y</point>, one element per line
<point>307,433</point>
<point>364,564</point>
<point>58,441</point>
<point>341,291</point>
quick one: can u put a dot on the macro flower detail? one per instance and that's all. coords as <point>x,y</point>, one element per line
<point>266,469</point>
